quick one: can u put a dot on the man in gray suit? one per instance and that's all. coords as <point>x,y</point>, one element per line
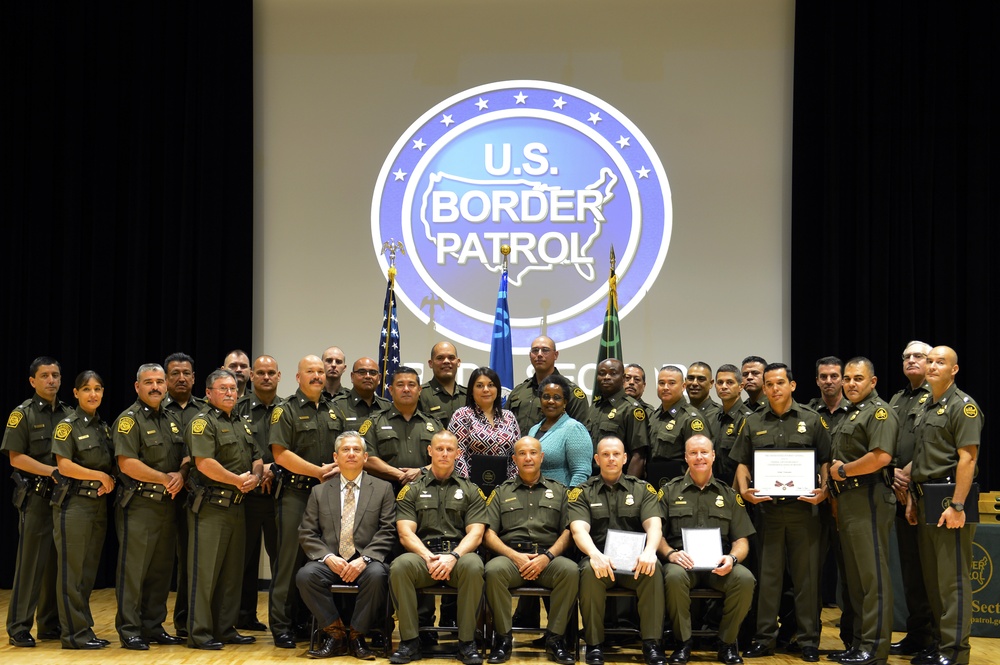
<point>347,533</point>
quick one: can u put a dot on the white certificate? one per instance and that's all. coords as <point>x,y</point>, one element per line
<point>624,548</point>
<point>704,546</point>
<point>784,472</point>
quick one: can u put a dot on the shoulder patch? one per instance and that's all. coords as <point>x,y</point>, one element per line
<point>125,425</point>
<point>15,419</point>
<point>650,489</point>
<point>822,421</point>
<point>490,498</point>
<point>881,414</point>
<point>365,426</point>
<point>970,410</point>
<point>198,426</point>
<point>739,500</point>
<point>574,494</point>
<point>276,414</point>
<point>659,495</point>
<point>484,495</point>
<point>697,425</point>
<point>62,431</point>
<point>639,414</point>
<point>402,492</point>
<point>579,394</point>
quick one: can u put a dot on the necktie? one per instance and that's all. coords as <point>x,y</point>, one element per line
<point>347,523</point>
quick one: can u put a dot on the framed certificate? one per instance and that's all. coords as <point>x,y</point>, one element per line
<point>704,546</point>
<point>784,471</point>
<point>624,548</point>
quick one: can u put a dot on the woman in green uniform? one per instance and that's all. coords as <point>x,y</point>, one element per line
<point>84,455</point>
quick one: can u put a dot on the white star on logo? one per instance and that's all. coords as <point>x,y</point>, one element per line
<point>623,142</point>
<point>482,103</point>
<point>520,97</point>
<point>643,172</point>
<point>559,103</point>
<point>594,118</point>
<point>419,144</point>
<point>446,120</point>
<point>399,173</point>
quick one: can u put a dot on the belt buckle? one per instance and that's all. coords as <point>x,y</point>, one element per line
<point>237,497</point>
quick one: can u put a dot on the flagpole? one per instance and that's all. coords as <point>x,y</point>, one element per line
<point>501,346</point>
<point>388,350</point>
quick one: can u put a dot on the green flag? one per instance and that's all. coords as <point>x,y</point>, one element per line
<point>611,337</point>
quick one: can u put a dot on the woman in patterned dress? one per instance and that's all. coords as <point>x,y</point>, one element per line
<point>483,426</point>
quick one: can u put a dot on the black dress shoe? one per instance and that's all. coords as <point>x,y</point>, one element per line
<point>594,655</point>
<point>837,655</point>
<point>284,641</point>
<point>944,660</point>
<point>22,639</point>
<point>89,645</point>
<point>905,647</point>
<point>928,656</point>
<point>251,624</point>
<point>236,638</point>
<point>681,655</point>
<point>469,654</point>
<point>757,650</point>
<point>859,657</point>
<point>810,654</point>
<point>408,650</point>
<point>501,650</point>
<point>49,634</point>
<point>357,647</point>
<point>428,640</point>
<point>730,654</point>
<point>211,645</point>
<point>180,630</point>
<point>652,653</point>
<point>557,651</point>
<point>166,640</point>
<point>135,643</point>
<point>329,647</point>
<point>104,643</point>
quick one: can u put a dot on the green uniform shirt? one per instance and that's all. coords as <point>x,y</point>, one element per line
<point>730,424</point>
<point>441,508</point>
<point>355,410</point>
<point>686,506</point>
<point>30,426</point>
<point>800,427</point>
<point>309,430</point>
<point>867,425</point>
<point>257,415</point>
<point>670,429</point>
<point>153,437</point>
<point>623,505</point>
<point>224,438</point>
<point>398,442</point>
<point>437,403</point>
<point>952,422</point>
<point>527,408</point>
<point>759,405</point>
<point>531,514</point>
<point>185,414</point>
<point>621,416</point>
<point>710,411</point>
<point>834,417</point>
<point>85,440</point>
<point>907,405</point>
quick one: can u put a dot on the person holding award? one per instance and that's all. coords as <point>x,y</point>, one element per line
<point>484,429</point>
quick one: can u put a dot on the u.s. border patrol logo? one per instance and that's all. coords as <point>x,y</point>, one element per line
<point>555,173</point>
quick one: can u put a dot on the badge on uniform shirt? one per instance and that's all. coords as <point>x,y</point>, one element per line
<point>923,398</point>
<point>333,416</point>
<point>402,492</point>
<point>579,394</point>
<point>174,428</point>
<point>430,428</point>
<point>970,410</point>
<point>697,425</point>
<point>247,428</point>
<point>15,419</point>
<point>802,427</point>
<point>612,413</point>
<point>62,431</point>
<point>276,414</point>
<point>881,414</point>
<point>670,426</point>
<point>198,426</point>
<point>125,425</point>
<point>940,411</point>
<point>853,416</point>
<point>730,429</point>
<point>365,426</point>
<point>574,494</point>
<point>739,501</point>
<point>459,494</point>
<point>629,500</point>
<point>719,501</point>
<point>549,494</point>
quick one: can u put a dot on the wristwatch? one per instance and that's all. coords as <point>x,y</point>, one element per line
<point>959,507</point>
<point>455,554</point>
<point>366,559</point>
<point>842,471</point>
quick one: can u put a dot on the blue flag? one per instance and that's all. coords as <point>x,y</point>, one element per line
<point>501,348</point>
<point>388,343</point>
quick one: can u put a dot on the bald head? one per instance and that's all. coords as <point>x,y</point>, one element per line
<point>311,377</point>
<point>543,356</point>
<point>942,366</point>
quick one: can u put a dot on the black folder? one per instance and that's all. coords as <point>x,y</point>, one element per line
<point>937,498</point>
<point>487,471</point>
<point>660,471</point>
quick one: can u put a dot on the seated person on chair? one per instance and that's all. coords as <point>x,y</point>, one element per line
<point>347,533</point>
<point>613,500</point>
<point>698,500</point>
<point>440,517</point>
<point>527,528</point>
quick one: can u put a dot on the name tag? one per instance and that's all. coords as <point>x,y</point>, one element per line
<point>595,505</point>
<point>85,436</point>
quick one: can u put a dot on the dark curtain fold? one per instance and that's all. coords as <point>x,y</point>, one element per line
<point>127,138</point>
<point>893,211</point>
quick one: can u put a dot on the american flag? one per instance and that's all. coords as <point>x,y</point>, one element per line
<point>388,343</point>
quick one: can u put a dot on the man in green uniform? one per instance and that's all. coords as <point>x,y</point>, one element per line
<point>670,425</point>
<point>28,442</point>
<point>907,404</point>
<point>334,364</point>
<point>831,403</point>
<point>149,445</point>
<point>613,412</point>
<point>948,438</point>
<point>613,500</point>
<point>732,415</point>
<point>256,408</point>
<point>635,385</point>
<point>788,527</point>
<point>527,529</point>
<point>699,389</point>
<point>698,500</point>
<point>440,518</point>
<point>752,371</point>
<point>523,401</point>
<point>399,437</point>
<point>227,466</point>
<point>440,396</point>
<point>303,431</point>
<point>863,446</point>
<point>361,403</point>
<point>238,362</point>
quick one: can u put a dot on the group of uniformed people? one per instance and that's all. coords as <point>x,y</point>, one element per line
<point>202,480</point>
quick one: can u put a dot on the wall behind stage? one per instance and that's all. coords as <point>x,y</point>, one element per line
<point>707,81</point>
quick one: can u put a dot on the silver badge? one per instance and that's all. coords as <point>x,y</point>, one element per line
<point>549,494</point>
<point>458,493</point>
<point>802,427</point>
<point>629,500</point>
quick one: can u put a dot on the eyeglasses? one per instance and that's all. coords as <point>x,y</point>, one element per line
<point>540,350</point>
<point>915,356</point>
<point>366,372</point>
<point>226,390</point>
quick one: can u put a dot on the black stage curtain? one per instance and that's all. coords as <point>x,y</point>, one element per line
<point>893,214</point>
<point>127,137</point>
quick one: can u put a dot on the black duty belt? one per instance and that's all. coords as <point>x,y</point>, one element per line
<point>154,491</point>
<point>917,488</point>
<point>223,497</point>
<point>40,485</point>
<point>87,488</point>
<point>438,545</point>
<point>525,547</point>
<point>854,482</point>
<point>299,482</point>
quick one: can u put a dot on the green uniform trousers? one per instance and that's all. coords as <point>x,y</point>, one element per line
<point>285,608</point>
<point>215,568</point>
<point>737,585</point>
<point>919,622</point>
<point>147,543</point>
<point>946,559</point>
<point>561,575</point>
<point>593,598</point>
<point>79,527</point>
<point>181,601</point>
<point>789,529</point>
<point>864,517</point>
<point>35,570</point>
<point>260,519</point>
<point>409,573</point>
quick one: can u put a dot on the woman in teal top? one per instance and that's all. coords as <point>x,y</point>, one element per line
<point>566,442</point>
